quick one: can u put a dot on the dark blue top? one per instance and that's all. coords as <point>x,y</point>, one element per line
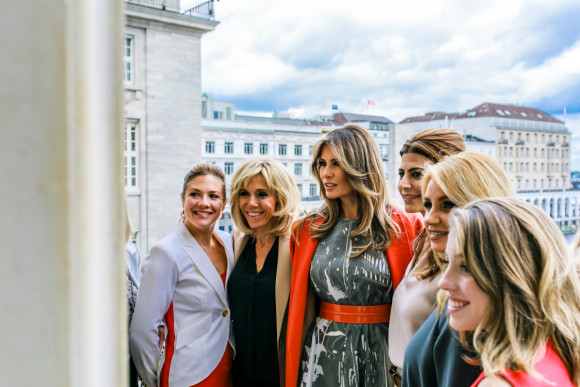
<point>253,306</point>
<point>434,357</point>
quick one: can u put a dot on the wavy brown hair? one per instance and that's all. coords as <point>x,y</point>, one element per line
<point>359,157</point>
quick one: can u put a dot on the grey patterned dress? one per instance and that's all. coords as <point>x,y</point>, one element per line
<point>342,354</point>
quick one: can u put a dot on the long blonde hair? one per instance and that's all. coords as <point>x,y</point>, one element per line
<point>465,177</point>
<point>518,257</point>
<point>279,181</point>
<point>359,156</point>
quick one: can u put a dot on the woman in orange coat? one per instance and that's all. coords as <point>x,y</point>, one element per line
<point>347,258</point>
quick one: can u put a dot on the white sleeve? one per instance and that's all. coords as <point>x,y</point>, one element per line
<point>158,279</point>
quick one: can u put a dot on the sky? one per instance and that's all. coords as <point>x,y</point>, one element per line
<point>407,58</point>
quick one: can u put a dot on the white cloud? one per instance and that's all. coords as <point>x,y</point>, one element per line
<point>408,57</point>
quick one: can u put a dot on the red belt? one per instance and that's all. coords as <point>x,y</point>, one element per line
<point>352,314</point>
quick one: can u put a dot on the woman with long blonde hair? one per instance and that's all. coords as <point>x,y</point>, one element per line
<point>347,257</point>
<point>432,356</point>
<point>514,294</point>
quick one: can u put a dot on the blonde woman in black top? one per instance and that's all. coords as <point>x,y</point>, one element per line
<point>264,201</point>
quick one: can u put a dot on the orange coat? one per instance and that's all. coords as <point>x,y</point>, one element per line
<point>301,307</point>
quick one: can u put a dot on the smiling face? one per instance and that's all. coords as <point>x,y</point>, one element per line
<point>257,203</point>
<point>203,203</point>
<point>410,176</point>
<point>468,304</point>
<point>437,207</point>
<point>333,177</point>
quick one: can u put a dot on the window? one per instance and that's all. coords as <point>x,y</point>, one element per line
<point>384,151</point>
<point>248,148</point>
<point>263,149</point>
<point>313,190</point>
<point>298,169</point>
<point>511,136</point>
<point>210,147</point>
<point>282,149</point>
<point>130,153</point>
<point>502,137</point>
<point>310,148</point>
<point>228,168</point>
<point>299,189</point>
<point>542,153</point>
<point>297,150</point>
<point>229,147</point>
<point>535,152</point>
<point>128,61</point>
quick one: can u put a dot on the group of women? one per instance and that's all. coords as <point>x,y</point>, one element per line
<point>464,287</point>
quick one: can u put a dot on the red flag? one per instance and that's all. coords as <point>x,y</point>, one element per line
<point>369,102</point>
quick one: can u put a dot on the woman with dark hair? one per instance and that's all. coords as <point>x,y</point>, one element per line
<point>415,298</point>
<point>183,289</point>
<point>347,257</point>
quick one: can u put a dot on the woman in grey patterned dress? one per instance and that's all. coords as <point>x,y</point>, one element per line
<point>346,258</point>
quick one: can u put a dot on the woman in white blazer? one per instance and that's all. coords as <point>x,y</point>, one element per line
<point>183,289</point>
<point>264,201</point>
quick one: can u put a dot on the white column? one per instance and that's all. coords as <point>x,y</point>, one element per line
<point>61,230</point>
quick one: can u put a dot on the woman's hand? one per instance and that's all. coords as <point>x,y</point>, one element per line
<point>161,335</point>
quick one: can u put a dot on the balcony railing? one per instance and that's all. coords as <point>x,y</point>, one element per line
<point>196,8</point>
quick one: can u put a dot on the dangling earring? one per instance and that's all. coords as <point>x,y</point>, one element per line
<point>182,218</point>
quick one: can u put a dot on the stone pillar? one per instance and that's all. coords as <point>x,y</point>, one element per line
<point>61,232</point>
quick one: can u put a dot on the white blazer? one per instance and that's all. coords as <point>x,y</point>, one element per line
<point>181,289</point>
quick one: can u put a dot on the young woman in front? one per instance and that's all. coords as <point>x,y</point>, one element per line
<point>514,293</point>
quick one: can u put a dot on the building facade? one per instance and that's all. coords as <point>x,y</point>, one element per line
<point>532,147</point>
<point>162,103</point>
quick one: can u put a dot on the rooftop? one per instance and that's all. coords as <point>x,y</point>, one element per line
<point>197,8</point>
<point>488,109</point>
<point>432,116</point>
<point>343,118</point>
